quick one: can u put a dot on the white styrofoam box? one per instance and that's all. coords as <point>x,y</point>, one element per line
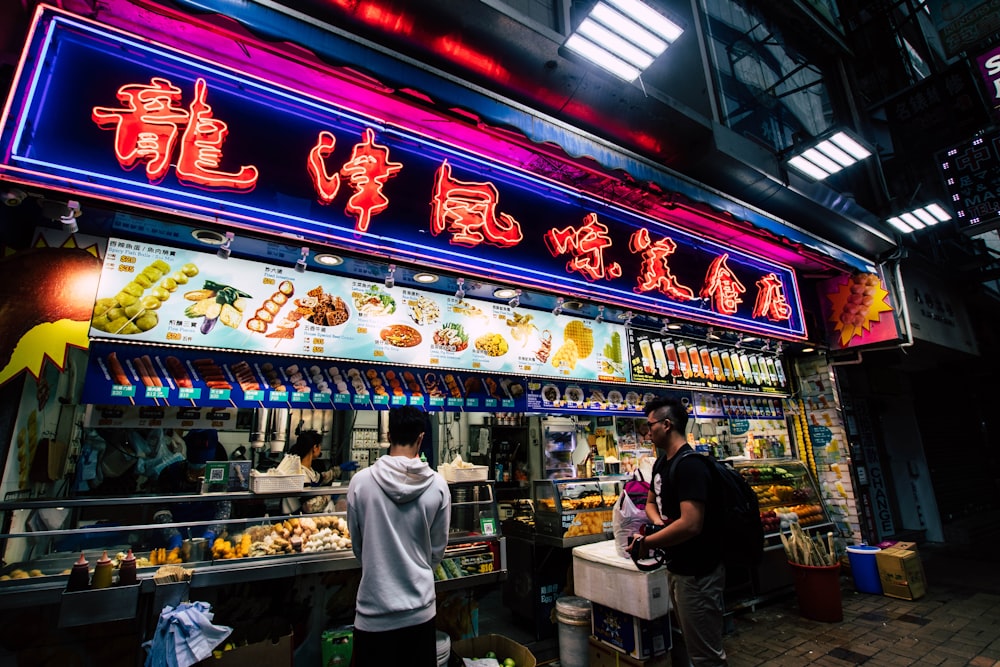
<point>604,577</point>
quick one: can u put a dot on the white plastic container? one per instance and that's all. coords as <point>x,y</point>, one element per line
<point>604,577</point>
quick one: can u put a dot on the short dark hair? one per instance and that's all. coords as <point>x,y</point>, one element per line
<point>406,423</point>
<point>676,412</point>
<point>305,442</point>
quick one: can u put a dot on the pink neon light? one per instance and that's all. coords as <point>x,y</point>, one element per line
<point>587,245</point>
<point>327,185</point>
<point>468,210</point>
<point>655,271</point>
<point>722,286</point>
<point>201,150</point>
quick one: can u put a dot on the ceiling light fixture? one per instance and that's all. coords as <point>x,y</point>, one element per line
<point>425,278</point>
<point>326,259</point>
<point>710,334</point>
<point>516,301</point>
<point>829,156</point>
<point>226,248</point>
<point>600,315</point>
<point>750,339</point>
<point>300,265</point>
<point>559,306</point>
<point>460,289</point>
<point>919,218</point>
<point>505,292</point>
<point>809,349</point>
<point>390,277</point>
<point>623,37</point>
<point>627,317</point>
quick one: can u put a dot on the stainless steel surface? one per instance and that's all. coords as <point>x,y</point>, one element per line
<point>98,606</point>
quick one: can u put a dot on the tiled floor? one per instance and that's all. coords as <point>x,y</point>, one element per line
<point>956,623</point>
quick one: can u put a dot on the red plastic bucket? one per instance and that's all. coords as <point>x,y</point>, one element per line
<point>818,590</point>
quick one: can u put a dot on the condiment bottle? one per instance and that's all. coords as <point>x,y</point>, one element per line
<point>126,572</point>
<point>102,572</point>
<point>79,576</point>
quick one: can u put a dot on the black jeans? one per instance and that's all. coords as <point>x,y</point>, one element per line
<point>413,646</point>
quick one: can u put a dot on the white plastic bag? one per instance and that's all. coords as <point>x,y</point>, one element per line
<point>627,519</point>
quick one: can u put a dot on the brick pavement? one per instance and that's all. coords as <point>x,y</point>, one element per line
<point>956,623</point>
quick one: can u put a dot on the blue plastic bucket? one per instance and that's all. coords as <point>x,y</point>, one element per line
<point>864,568</point>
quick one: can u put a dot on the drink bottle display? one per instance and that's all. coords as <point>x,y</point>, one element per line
<point>661,358</point>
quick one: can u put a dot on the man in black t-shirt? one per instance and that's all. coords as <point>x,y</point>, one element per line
<point>691,515</point>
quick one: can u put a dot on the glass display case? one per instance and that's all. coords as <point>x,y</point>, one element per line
<point>571,512</point>
<point>476,552</point>
<point>785,492</point>
<point>220,538</point>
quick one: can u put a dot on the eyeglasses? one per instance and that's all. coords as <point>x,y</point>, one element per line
<point>657,421</point>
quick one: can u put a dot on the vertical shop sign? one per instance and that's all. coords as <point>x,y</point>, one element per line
<point>989,69</point>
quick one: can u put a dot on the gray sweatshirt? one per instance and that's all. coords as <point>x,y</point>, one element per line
<point>398,512</point>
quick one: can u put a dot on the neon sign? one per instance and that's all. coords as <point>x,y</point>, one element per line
<point>252,154</point>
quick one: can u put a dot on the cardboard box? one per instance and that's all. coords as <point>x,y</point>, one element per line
<point>604,577</point>
<point>267,652</point>
<point>477,647</point>
<point>337,646</point>
<point>629,634</point>
<point>602,655</point>
<point>901,573</point>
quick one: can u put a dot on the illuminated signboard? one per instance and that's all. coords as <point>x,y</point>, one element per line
<point>971,174</point>
<point>103,113</point>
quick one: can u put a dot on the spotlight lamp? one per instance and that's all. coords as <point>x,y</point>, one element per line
<point>600,315</point>
<point>829,156</point>
<point>627,317</point>
<point>710,334</point>
<point>460,289</point>
<point>919,218</point>
<point>559,306</point>
<point>300,265</point>
<point>516,300</point>
<point>68,219</point>
<point>777,350</point>
<point>390,277</point>
<point>665,329</point>
<point>227,246</point>
<point>766,347</point>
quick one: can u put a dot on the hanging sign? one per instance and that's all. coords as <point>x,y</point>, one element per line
<point>112,115</point>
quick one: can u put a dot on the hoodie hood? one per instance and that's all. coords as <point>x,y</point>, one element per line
<point>401,478</point>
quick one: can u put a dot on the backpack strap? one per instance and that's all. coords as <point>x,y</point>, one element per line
<point>672,472</point>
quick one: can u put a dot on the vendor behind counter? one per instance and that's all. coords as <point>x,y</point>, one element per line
<point>201,446</point>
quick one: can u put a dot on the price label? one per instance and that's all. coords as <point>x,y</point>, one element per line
<point>321,398</point>
<point>254,395</point>
<point>123,390</point>
<point>219,394</point>
<point>300,397</point>
<point>341,399</point>
<point>156,392</point>
<point>278,396</point>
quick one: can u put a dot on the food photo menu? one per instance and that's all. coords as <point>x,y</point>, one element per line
<point>157,294</point>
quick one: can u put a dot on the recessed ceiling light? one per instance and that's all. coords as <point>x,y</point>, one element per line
<point>809,349</point>
<point>573,305</point>
<point>749,339</point>
<point>504,292</point>
<point>326,259</point>
<point>674,326</point>
<point>425,277</point>
<point>208,236</point>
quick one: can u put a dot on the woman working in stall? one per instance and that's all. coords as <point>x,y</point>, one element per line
<point>308,448</point>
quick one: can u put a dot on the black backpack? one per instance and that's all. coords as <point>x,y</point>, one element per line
<point>743,533</point>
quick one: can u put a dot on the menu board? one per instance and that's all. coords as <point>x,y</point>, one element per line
<point>158,376</point>
<point>674,361</point>
<point>157,294</point>
<point>590,398</point>
<point>712,405</point>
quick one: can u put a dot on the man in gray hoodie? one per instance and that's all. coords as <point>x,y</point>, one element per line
<point>398,512</point>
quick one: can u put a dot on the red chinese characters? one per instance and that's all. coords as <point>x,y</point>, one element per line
<point>587,245</point>
<point>468,212</point>
<point>722,286</point>
<point>655,271</point>
<point>150,124</point>
<point>771,299</point>
<point>367,171</point>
